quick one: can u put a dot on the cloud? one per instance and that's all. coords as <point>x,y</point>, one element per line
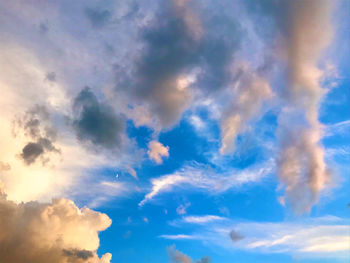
<point>202,219</point>
<point>51,76</point>
<point>181,209</point>
<point>314,237</point>
<point>162,87</point>
<point>177,237</point>
<point>95,122</point>
<point>159,92</point>
<point>301,167</point>
<point>4,166</point>
<point>101,190</point>
<point>205,259</point>
<point>32,150</point>
<point>338,128</point>
<point>98,18</point>
<point>176,256</point>
<point>235,236</point>
<point>36,125</point>
<point>201,177</point>
<point>58,232</point>
<point>157,151</point>
<point>250,90</point>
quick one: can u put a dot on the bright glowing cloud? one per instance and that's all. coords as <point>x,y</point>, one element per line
<point>58,232</point>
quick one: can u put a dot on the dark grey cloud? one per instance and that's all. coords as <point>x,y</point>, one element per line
<point>51,76</point>
<point>235,236</point>
<point>43,27</point>
<point>98,17</point>
<point>37,126</point>
<point>95,122</point>
<point>78,254</point>
<point>33,150</point>
<point>173,49</point>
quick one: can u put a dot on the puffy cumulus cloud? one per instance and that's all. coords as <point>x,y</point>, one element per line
<point>204,178</point>
<point>57,232</point>
<point>249,92</point>
<point>302,167</point>
<point>157,151</point>
<point>95,122</point>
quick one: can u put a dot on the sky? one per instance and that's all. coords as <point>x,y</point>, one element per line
<point>177,131</point>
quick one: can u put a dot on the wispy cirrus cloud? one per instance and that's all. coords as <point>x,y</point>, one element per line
<point>202,177</point>
<point>315,237</point>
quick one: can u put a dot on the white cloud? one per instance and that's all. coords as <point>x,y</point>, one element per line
<point>177,237</point>
<point>315,237</point>
<point>203,178</point>
<point>181,209</point>
<point>202,219</point>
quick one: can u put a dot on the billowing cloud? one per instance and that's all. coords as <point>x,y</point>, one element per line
<point>95,122</point>
<point>301,167</point>
<point>57,232</point>
<point>157,151</point>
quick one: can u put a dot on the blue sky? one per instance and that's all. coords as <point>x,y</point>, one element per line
<point>174,131</point>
